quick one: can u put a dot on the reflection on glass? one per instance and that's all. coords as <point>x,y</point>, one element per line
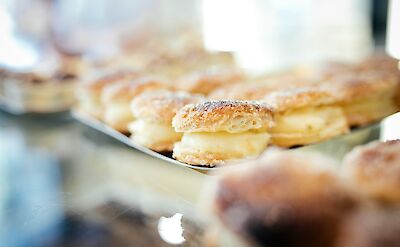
<point>14,52</point>
<point>391,128</point>
<point>171,230</point>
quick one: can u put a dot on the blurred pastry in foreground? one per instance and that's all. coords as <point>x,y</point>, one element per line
<point>305,115</point>
<point>116,99</point>
<point>366,97</point>
<point>284,199</point>
<point>219,131</point>
<point>205,81</point>
<point>371,227</point>
<point>375,170</point>
<point>153,112</point>
<point>89,92</point>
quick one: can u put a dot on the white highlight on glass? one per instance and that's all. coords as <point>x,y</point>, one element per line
<point>14,52</point>
<point>393,34</point>
<point>391,128</point>
<point>171,230</point>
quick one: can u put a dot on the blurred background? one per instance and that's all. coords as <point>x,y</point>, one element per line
<point>264,35</point>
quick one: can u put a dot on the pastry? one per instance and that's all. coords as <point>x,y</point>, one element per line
<point>89,92</point>
<point>383,63</point>
<point>365,97</point>
<point>205,81</point>
<point>284,199</point>
<point>153,112</point>
<point>305,115</point>
<point>116,99</point>
<point>257,88</point>
<point>218,131</point>
<point>375,170</point>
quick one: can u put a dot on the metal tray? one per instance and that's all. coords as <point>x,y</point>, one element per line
<point>335,148</point>
<point>104,128</point>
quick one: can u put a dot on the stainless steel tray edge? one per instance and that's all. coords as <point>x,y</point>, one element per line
<point>100,126</point>
<point>336,147</point>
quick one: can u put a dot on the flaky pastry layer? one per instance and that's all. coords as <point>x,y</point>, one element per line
<point>157,136</point>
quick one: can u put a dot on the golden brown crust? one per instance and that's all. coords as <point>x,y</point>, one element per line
<point>127,90</point>
<point>375,170</point>
<point>243,91</point>
<point>100,81</point>
<point>162,105</point>
<point>204,82</point>
<point>356,86</point>
<point>289,99</point>
<point>258,87</point>
<point>322,71</point>
<point>284,199</point>
<point>223,115</point>
<point>382,63</point>
<point>379,62</point>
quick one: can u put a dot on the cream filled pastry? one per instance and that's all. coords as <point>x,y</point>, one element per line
<point>375,170</point>
<point>89,93</point>
<point>366,97</point>
<point>218,131</point>
<point>116,99</point>
<point>153,112</point>
<point>305,115</point>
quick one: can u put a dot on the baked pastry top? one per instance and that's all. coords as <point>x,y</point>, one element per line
<point>205,81</point>
<point>284,100</point>
<point>351,87</point>
<point>161,105</point>
<point>223,115</point>
<point>257,87</point>
<point>126,90</point>
<point>98,82</point>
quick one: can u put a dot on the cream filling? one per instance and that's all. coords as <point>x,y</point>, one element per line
<point>118,114</point>
<point>89,102</point>
<point>236,144</point>
<point>369,109</point>
<point>151,133</point>
<point>308,120</point>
